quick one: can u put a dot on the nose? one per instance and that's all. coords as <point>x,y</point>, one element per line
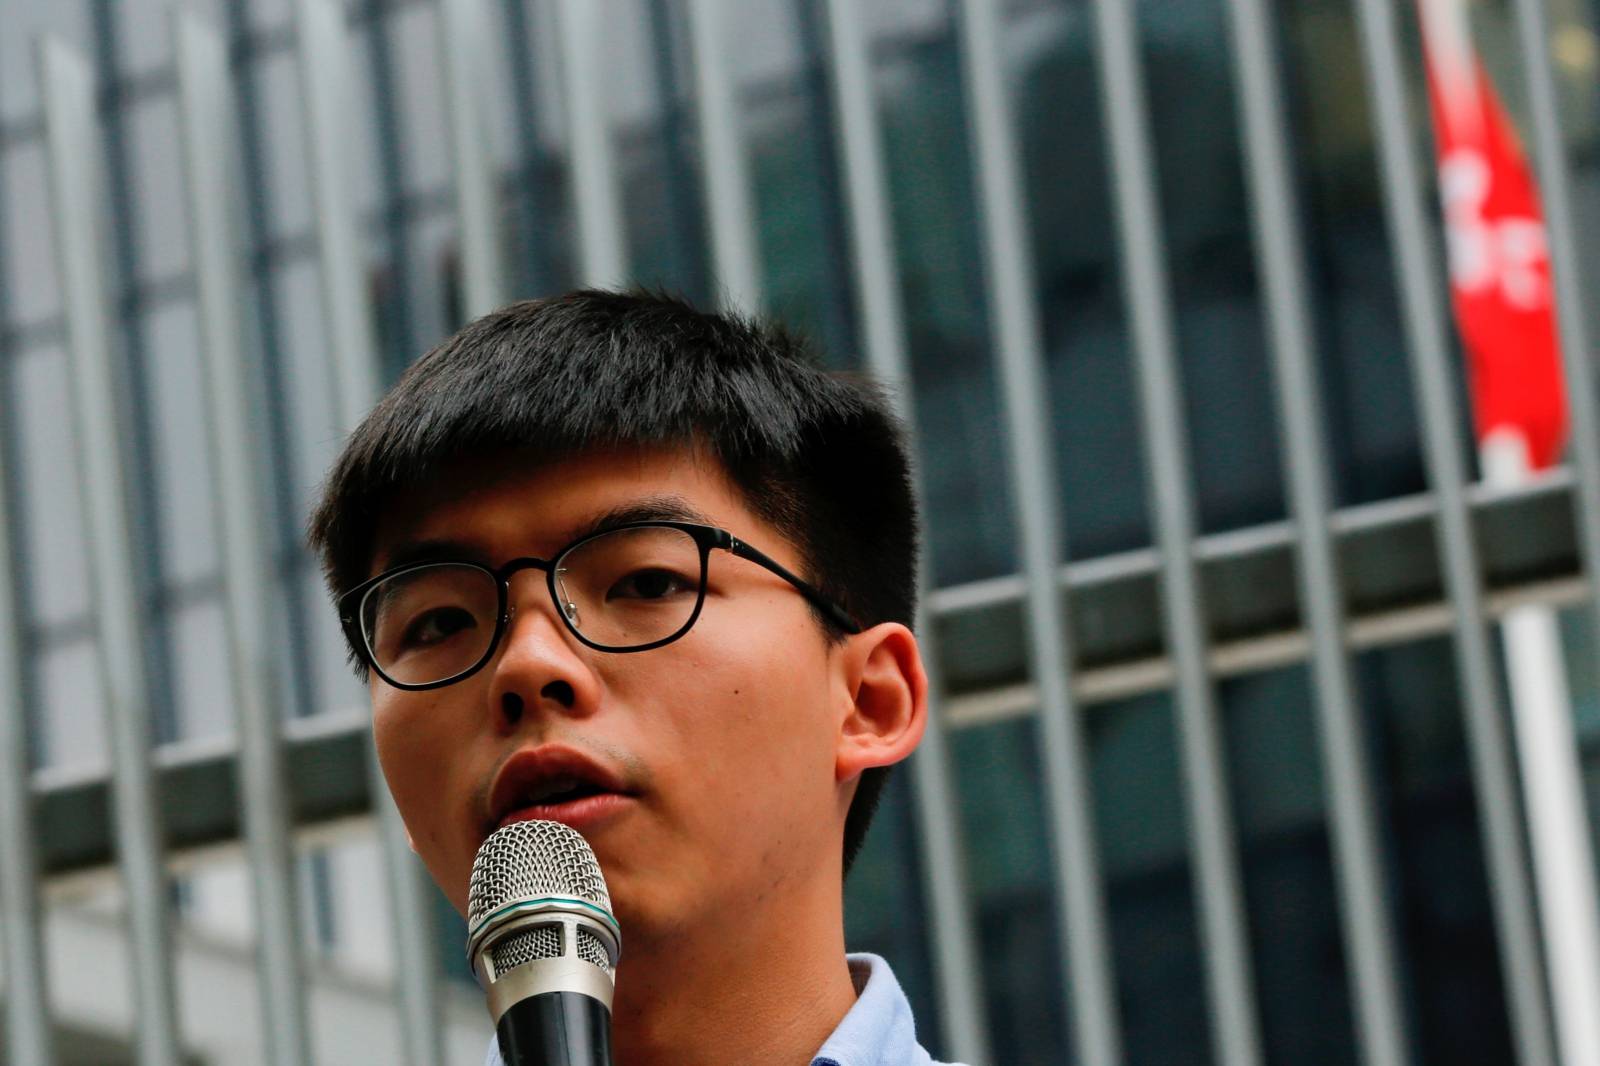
<point>539,669</point>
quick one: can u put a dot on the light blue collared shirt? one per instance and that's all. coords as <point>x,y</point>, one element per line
<point>878,1031</point>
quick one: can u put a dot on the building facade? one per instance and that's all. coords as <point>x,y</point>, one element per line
<point>1131,839</point>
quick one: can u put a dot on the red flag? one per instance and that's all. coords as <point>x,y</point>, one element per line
<point>1499,260</point>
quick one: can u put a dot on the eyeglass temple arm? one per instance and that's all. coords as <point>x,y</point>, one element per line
<point>836,614</point>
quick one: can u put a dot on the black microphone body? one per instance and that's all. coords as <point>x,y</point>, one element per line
<point>555,1029</point>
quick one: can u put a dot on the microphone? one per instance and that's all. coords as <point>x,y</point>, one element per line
<point>544,945</point>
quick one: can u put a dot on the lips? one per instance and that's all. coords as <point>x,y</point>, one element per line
<point>556,783</point>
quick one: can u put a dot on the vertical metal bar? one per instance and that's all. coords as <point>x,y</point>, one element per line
<point>395,309</point>
<point>1421,299</point>
<point>29,1039</point>
<point>123,240</point>
<point>325,61</point>
<point>1230,986</point>
<point>958,975</point>
<point>534,266</point>
<point>466,43</point>
<point>275,400</point>
<point>1369,935</point>
<point>1090,997</point>
<point>205,101</point>
<point>596,197</point>
<point>837,324</point>
<point>735,260</point>
<point>71,133</point>
<point>687,262</point>
<point>1570,908</point>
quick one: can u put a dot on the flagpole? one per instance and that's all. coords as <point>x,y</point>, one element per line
<point>1503,299</point>
<point>1552,788</point>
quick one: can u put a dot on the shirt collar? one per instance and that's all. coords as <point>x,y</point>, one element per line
<point>878,1030</point>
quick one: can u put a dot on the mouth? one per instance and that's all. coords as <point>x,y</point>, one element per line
<point>556,784</point>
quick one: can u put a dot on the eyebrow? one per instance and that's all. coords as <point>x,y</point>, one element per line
<point>661,508</point>
<point>658,508</point>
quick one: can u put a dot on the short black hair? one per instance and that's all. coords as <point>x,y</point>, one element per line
<point>817,454</point>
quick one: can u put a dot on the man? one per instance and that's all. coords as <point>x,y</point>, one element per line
<point>609,561</point>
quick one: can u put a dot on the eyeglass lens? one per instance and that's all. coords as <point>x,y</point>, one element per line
<point>620,590</point>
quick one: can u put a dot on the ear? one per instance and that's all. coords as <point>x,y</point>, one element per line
<point>887,709</point>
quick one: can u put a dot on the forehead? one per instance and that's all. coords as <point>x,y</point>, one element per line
<point>510,505</point>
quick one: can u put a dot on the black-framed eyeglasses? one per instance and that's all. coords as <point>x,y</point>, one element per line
<point>632,587</point>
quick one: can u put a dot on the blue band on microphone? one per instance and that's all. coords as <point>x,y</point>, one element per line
<point>542,902</point>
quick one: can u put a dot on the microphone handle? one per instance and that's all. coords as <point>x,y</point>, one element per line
<point>555,1029</point>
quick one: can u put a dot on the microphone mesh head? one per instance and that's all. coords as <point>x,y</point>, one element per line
<point>531,860</point>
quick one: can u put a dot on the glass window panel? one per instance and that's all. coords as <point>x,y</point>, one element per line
<point>1099,451</point>
<point>288,641</point>
<point>765,40</point>
<point>539,227</point>
<point>1231,441</point>
<point>549,92</point>
<point>1367,391</point>
<point>434,274</point>
<point>1442,907</point>
<point>1141,822</point>
<point>144,33</point>
<point>317,910</point>
<point>800,234</point>
<point>183,476</point>
<point>25,22</point>
<point>366,177</point>
<point>204,683</point>
<point>269,14</point>
<point>964,468</point>
<point>1297,946</point>
<point>625,49</point>
<point>413,34</point>
<point>502,107</point>
<point>56,576</point>
<point>33,291</point>
<point>666,228</point>
<point>1232,452</point>
<point>968,522</point>
<point>1583,672</point>
<point>1002,820</point>
<point>901,18</point>
<point>543,240</point>
<point>276,79</point>
<point>160,215</point>
<point>663,196</point>
<point>308,380</point>
<point>452,929</point>
<point>336,684</point>
<point>1210,258</point>
<point>217,901</point>
<point>74,700</point>
<point>361,925</point>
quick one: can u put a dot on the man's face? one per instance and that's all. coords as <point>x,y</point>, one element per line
<point>717,753</point>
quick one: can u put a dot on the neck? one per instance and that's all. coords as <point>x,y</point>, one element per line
<point>770,988</point>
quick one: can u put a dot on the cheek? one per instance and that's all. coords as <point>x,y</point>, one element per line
<point>751,718</point>
<point>412,736</point>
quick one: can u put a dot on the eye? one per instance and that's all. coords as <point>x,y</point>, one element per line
<point>651,584</point>
<point>436,626</point>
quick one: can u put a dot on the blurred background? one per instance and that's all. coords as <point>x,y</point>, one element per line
<point>1228,768</point>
